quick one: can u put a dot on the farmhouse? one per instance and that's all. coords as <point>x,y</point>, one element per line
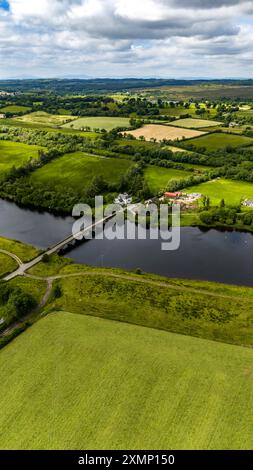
<point>248,203</point>
<point>2,116</point>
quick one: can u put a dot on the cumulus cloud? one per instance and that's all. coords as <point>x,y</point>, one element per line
<point>127,37</point>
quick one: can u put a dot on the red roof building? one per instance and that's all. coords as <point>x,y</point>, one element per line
<point>173,195</point>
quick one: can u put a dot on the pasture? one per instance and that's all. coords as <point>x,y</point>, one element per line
<point>231,191</point>
<point>95,376</point>
<point>219,141</point>
<point>160,132</point>
<point>107,123</point>
<point>15,109</point>
<point>15,154</point>
<point>76,171</point>
<point>44,119</point>
<point>7,264</point>
<point>23,251</point>
<point>189,123</point>
<point>158,177</point>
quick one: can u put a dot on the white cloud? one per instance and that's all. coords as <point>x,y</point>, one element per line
<point>127,37</point>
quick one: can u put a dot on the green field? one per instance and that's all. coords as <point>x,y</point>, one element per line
<point>195,123</point>
<point>76,171</point>
<point>15,109</point>
<point>7,264</point>
<point>182,111</point>
<point>219,141</point>
<point>107,123</point>
<point>231,191</point>
<point>158,177</point>
<point>42,118</point>
<point>13,122</point>
<point>15,154</point>
<point>73,382</point>
<point>23,251</point>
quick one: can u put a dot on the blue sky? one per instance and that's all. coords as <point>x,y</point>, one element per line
<point>122,38</point>
<point>4,4</point>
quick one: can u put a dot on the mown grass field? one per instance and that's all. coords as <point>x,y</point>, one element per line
<point>107,123</point>
<point>160,132</point>
<point>42,118</point>
<point>231,191</point>
<point>158,177</point>
<point>15,154</point>
<point>219,141</point>
<point>195,123</point>
<point>73,382</point>
<point>76,171</point>
<point>15,109</point>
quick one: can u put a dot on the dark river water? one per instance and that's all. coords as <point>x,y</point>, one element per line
<point>207,255</point>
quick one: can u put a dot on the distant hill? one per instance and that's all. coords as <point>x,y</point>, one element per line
<point>104,85</point>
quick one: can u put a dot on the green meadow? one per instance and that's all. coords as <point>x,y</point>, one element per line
<point>7,264</point>
<point>158,177</point>
<point>76,382</point>
<point>107,123</point>
<point>21,250</point>
<point>189,123</point>
<point>15,154</point>
<point>231,191</point>
<point>76,170</point>
<point>15,109</point>
<point>43,118</point>
<point>217,141</point>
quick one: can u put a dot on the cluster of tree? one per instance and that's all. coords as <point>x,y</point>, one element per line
<point>177,185</point>
<point>225,215</point>
<point>15,303</point>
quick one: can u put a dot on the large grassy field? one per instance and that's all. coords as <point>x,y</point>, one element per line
<point>158,177</point>
<point>231,191</point>
<point>160,132</point>
<point>76,171</point>
<point>15,154</point>
<point>73,382</point>
<point>218,141</point>
<point>195,123</point>
<point>107,123</point>
<point>42,118</point>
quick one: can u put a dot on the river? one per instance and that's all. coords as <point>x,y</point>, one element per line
<point>222,256</point>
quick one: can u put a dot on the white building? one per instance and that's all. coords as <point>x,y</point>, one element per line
<point>123,199</point>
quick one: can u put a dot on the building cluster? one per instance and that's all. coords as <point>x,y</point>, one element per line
<point>186,201</point>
